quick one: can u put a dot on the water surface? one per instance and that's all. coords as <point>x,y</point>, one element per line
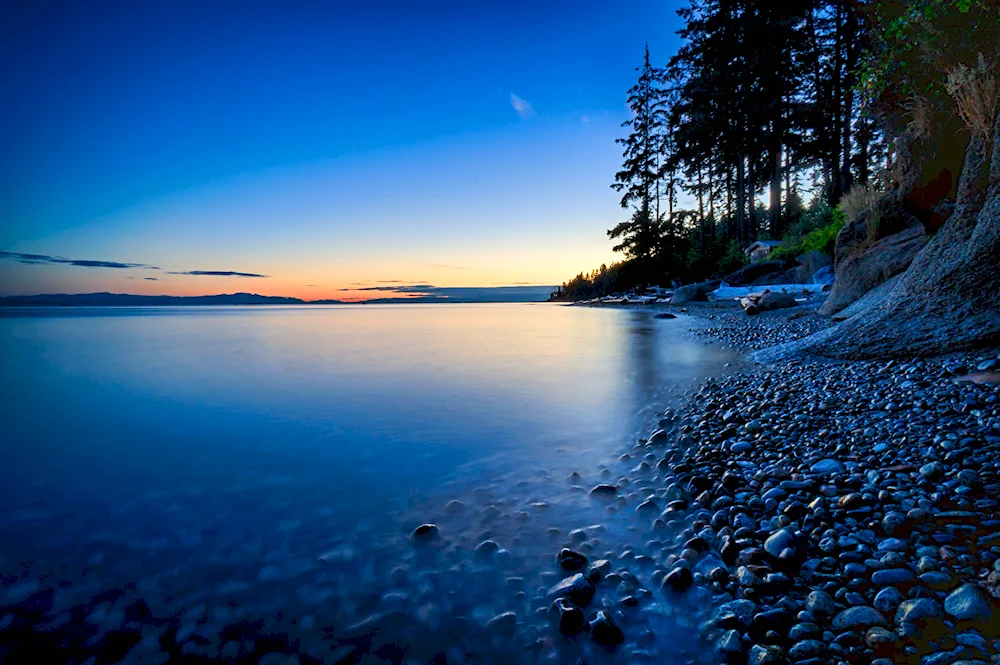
<point>215,459</point>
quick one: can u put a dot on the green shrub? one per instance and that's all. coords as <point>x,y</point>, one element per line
<point>820,240</point>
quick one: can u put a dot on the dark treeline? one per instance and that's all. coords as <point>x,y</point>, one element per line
<point>763,102</point>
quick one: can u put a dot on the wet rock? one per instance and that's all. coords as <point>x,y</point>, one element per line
<point>487,548</point>
<point>577,589</point>
<point>425,533</point>
<point>503,624</point>
<point>569,560</point>
<point>747,578</point>
<point>569,619</point>
<point>678,580</point>
<point>604,491</point>
<point>742,612</point>
<point>730,644</point>
<point>604,631</point>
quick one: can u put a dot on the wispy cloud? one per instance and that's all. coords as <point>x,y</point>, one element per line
<point>37,259</point>
<point>217,273</point>
<point>430,293</point>
<point>151,279</point>
<point>407,288</point>
<point>45,259</point>
<point>523,108</point>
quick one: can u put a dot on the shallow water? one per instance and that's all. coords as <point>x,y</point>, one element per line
<point>236,464</point>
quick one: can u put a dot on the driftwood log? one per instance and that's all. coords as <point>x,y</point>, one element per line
<point>754,303</point>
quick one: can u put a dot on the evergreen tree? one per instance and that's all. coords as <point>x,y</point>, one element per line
<point>639,179</point>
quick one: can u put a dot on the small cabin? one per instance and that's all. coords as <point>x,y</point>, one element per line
<point>760,249</point>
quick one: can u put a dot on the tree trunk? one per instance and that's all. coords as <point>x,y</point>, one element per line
<point>730,219</point>
<point>775,201</point>
<point>788,176</point>
<point>864,157</point>
<point>741,199</point>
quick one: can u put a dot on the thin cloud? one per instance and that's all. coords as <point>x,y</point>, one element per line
<point>46,259</point>
<point>408,288</point>
<point>151,279</point>
<point>522,106</point>
<point>217,273</point>
<point>41,259</point>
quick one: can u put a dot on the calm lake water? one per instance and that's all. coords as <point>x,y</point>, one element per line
<point>217,461</point>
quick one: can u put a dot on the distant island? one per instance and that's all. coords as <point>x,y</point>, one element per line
<point>499,294</point>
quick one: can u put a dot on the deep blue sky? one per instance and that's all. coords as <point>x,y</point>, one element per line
<point>327,144</point>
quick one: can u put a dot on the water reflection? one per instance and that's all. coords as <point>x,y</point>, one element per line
<point>268,464</point>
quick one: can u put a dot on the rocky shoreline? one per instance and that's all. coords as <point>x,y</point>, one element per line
<point>800,512</point>
<point>853,506</point>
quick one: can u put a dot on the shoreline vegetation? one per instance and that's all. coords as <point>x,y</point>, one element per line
<point>884,113</point>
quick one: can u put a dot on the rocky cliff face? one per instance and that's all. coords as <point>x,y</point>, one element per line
<point>946,299</point>
<point>873,247</point>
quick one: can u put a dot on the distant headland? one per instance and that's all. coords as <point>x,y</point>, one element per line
<point>496,294</point>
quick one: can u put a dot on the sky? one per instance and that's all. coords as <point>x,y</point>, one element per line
<point>312,149</point>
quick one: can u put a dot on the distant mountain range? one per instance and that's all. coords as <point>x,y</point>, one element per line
<point>437,295</point>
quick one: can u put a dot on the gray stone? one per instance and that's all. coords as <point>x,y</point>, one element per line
<point>730,644</point>
<point>765,655</point>
<point>827,467</point>
<point>967,603</point>
<point>879,636</point>
<point>807,649</point>
<point>778,541</point>
<point>932,470</point>
<point>891,576</point>
<point>577,588</point>
<point>892,545</point>
<point>820,604</point>
<point>861,616</point>
<point>918,610</point>
<point>503,624</point>
<point>425,533</point>
<point>888,599</point>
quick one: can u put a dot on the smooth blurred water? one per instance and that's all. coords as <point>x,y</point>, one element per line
<point>180,447</point>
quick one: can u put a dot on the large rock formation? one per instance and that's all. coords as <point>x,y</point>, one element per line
<point>867,256</point>
<point>694,292</point>
<point>947,299</point>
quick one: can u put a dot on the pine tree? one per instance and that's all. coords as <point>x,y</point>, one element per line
<point>639,179</point>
